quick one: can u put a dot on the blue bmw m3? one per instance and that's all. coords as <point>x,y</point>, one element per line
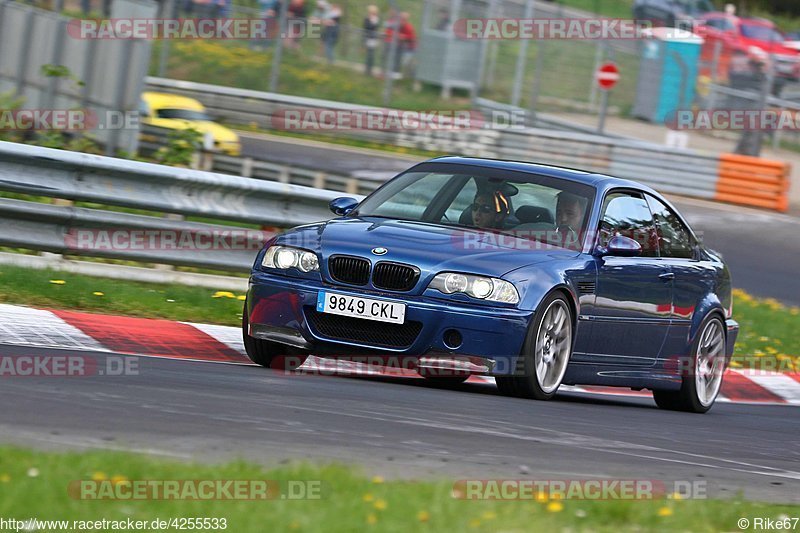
<point>536,275</point>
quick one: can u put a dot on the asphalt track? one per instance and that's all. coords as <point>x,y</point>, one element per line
<point>762,248</point>
<point>401,428</point>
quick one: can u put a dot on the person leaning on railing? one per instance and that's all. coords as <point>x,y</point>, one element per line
<point>372,24</point>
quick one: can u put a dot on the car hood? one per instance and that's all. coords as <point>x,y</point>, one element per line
<point>431,247</point>
<point>771,47</point>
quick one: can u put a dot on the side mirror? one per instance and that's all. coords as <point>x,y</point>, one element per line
<point>621,246</point>
<point>342,205</point>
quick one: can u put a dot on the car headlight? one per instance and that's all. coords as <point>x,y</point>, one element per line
<point>480,287</point>
<point>284,257</point>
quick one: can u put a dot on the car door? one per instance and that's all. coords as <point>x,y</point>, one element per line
<point>694,276</point>
<point>633,301</point>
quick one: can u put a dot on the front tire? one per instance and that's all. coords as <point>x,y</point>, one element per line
<point>265,353</point>
<point>702,384</point>
<point>546,353</point>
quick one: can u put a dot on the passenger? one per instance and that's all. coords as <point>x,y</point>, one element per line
<point>570,210</point>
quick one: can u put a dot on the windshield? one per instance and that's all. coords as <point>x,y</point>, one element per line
<point>520,204</point>
<point>185,114</point>
<point>761,33</point>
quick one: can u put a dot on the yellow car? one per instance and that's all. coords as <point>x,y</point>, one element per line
<point>180,113</point>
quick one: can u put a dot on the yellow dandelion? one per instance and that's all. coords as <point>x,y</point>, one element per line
<point>380,505</point>
<point>763,339</point>
<point>99,476</point>
<point>665,511</point>
<point>223,294</point>
<point>98,293</point>
<point>736,364</point>
<point>118,479</point>
<point>555,507</point>
<point>474,523</point>
<point>377,479</point>
<point>423,516</point>
<point>541,497</point>
<point>372,519</point>
<point>58,282</point>
<point>676,496</point>
<point>795,311</point>
<point>368,497</point>
<point>242,297</point>
<point>5,478</point>
<point>489,515</point>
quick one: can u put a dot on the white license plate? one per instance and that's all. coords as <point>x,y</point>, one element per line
<point>379,310</point>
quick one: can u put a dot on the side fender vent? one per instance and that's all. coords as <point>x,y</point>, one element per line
<point>586,287</point>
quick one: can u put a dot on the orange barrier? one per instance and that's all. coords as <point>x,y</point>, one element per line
<point>753,181</point>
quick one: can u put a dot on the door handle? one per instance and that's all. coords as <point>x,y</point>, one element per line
<point>666,276</point>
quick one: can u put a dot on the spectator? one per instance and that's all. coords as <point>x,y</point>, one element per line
<point>372,24</point>
<point>269,14</point>
<point>391,64</point>
<point>328,16</point>
<point>296,16</point>
<point>408,41</point>
<point>443,23</point>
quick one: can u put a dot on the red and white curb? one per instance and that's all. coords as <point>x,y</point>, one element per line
<point>71,330</point>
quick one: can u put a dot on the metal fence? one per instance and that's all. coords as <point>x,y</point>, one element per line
<point>102,75</point>
<point>44,172</point>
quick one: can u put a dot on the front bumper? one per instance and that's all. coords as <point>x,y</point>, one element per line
<point>732,329</point>
<point>281,309</point>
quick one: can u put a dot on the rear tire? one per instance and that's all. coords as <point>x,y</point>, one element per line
<point>268,354</point>
<point>702,383</point>
<point>545,354</point>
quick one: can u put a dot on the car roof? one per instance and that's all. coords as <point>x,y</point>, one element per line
<point>602,182</point>
<point>161,100</point>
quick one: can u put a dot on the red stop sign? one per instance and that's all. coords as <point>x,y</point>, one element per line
<point>607,76</point>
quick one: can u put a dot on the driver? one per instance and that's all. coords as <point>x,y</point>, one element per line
<point>490,209</point>
<point>570,210</point>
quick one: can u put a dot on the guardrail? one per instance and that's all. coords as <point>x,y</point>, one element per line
<point>671,170</point>
<point>169,191</point>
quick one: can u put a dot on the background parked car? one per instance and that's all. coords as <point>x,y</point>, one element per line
<point>793,40</point>
<point>754,37</point>
<point>180,113</point>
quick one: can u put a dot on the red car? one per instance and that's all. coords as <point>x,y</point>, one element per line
<point>755,37</point>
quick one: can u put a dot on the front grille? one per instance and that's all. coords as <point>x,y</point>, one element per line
<point>352,270</point>
<point>394,276</point>
<point>363,331</point>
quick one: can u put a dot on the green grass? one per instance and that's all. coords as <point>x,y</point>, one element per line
<point>234,64</point>
<point>175,302</point>
<point>768,335</point>
<point>34,484</point>
<point>767,339</point>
